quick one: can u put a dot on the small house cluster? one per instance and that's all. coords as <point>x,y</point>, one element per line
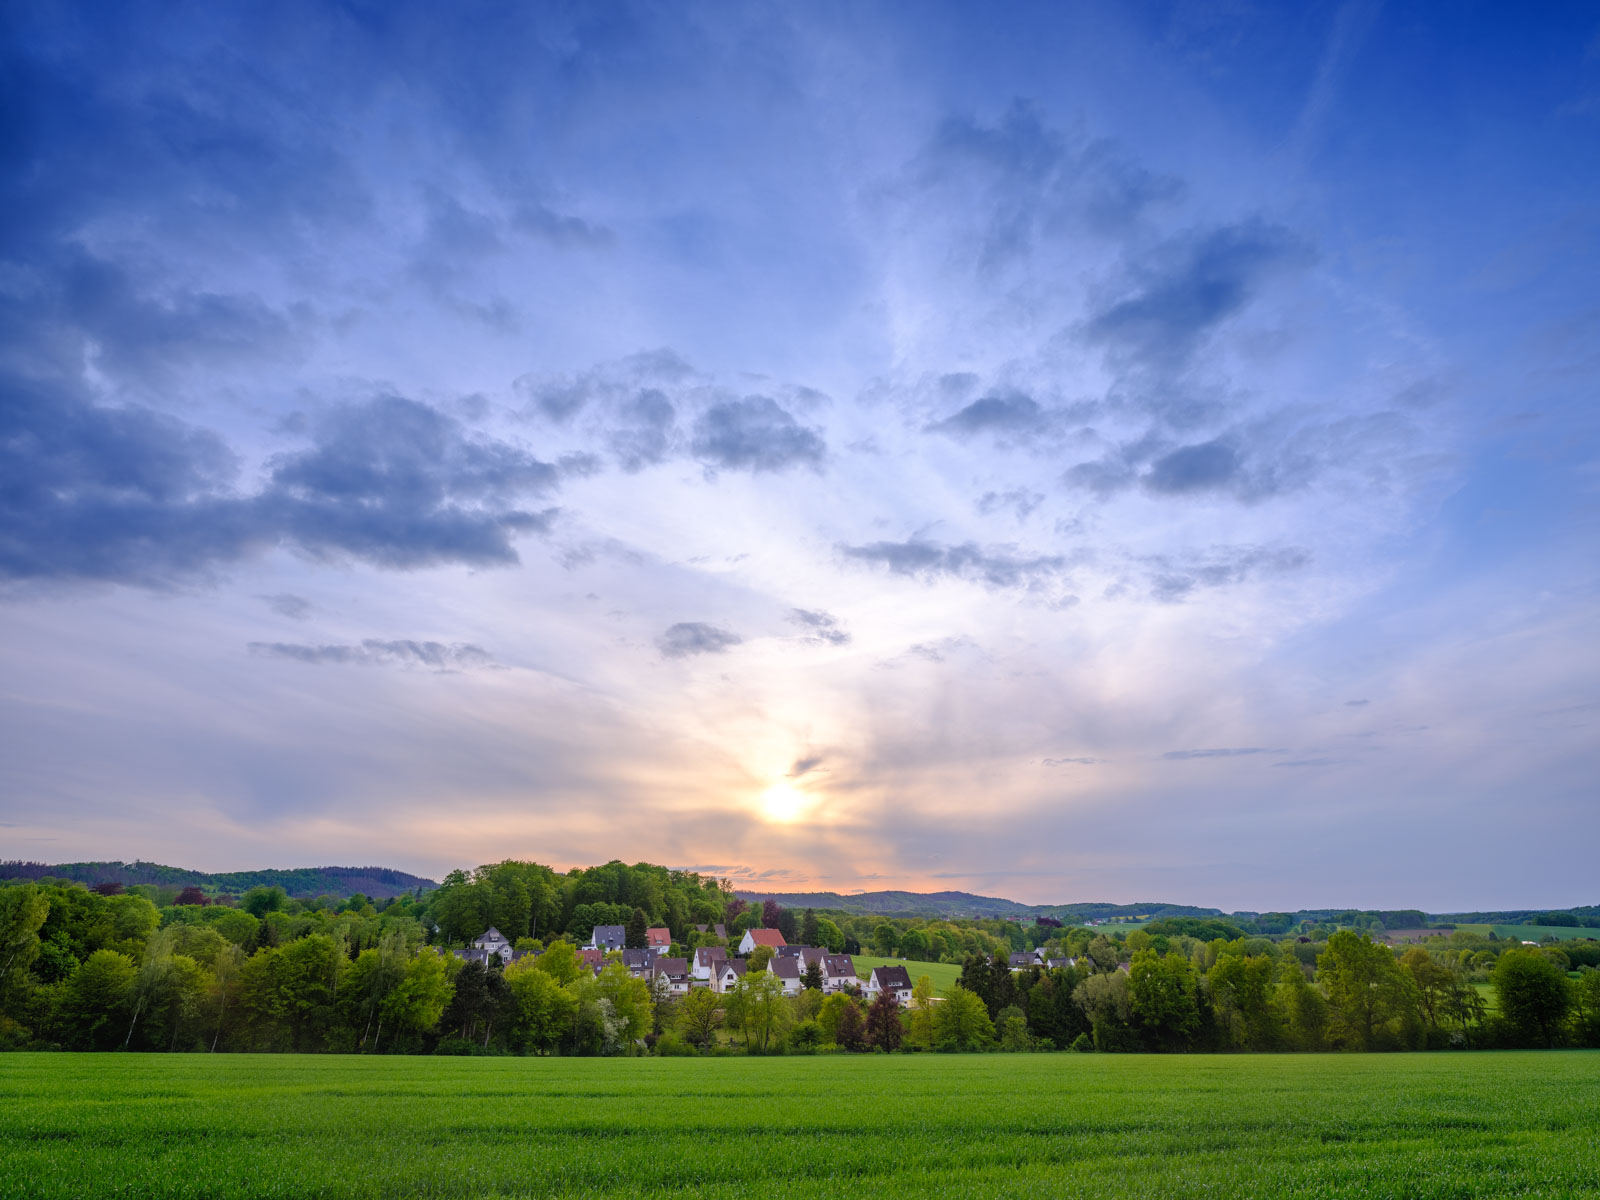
<point>711,966</point>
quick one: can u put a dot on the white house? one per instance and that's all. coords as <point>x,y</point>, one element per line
<point>893,980</point>
<point>492,941</point>
<point>787,972</point>
<point>729,971</point>
<point>672,975</point>
<point>707,961</point>
<point>659,940</point>
<point>838,972</point>
<point>607,937</point>
<point>760,937</point>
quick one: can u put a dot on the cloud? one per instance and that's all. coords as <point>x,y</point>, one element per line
<point>1062,762</point>
<point>1355,703</point>
<point>563,229</point>
<point>805,765</point>
<point>1176,578</point>
<point>434,656</point>
<point>1021,501</point>
<point>130,495</point>
<point>998,567</point>
<point>1311,762</point>
<point>937,651</point>
<point>755,434</point>
<point>820,627</point>
<point>286,604</point>
<point>1178,755</point>
<point>1204,467</point>
<point>1008,413</point>
<point>1187,287</point>
<point>689,638</point>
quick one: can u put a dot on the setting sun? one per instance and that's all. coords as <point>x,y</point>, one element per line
<point>783,803</point>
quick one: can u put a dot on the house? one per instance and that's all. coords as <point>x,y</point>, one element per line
<point>658,939</point>
<point>708,961</point>
<point>492,941</point>
<point>787,972</point>
<point>608,937</point>
<point>592,958</point>
<point>671,975</point>
<point>640,963</point>
<point>729,972</point>
<point>760,937</point>
<point>1060,964</point>
<point>893,980</point>
<point>1023,960</point>
<point>838,972</point>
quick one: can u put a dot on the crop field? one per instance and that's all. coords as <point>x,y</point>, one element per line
<point>1533,933</point>
<point>944,975</point>
<point>1441,1125</point>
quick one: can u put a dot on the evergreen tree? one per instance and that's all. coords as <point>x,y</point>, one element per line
<point>637,926</point>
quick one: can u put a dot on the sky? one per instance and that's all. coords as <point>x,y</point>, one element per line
<point>1066,452</point>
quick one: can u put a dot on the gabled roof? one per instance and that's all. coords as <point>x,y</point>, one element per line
<point>785,968</point>
<point>491,934</point>
<point>720,930</point>
<point>705,956</point>
<point>737,965</point>
<point>1022,958</point>
<point>767,937</point>
<point>638,958</point>
<point>838,964</point>
<point>891,977</point>
<point>658,937</point>
<point>671,966</point>
<point>593,957</point>
<point>811,954</point>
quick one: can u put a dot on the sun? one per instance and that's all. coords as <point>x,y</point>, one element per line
<point>783,804</point>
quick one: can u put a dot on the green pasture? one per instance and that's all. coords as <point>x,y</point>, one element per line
<point>1532,933</point>
<point>216,1127</point>
<point>944,975</point>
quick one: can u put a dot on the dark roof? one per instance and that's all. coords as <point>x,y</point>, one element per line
<point>839,964</point>
<point>892,977</point>
<point>1022,958</point>
<point>609,935</point>
<point>785,968</point>
<point>720,930</point>
<point>737,965</point>
<point>706,955</point>
<point>491,932</point>
<point>672,966</point>
<point>638,958</point>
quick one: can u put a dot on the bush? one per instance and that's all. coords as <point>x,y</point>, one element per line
<point>463,1048</point>
<point>1082,1044</point>
<point>805,1038</point>
<point>670,1045</point>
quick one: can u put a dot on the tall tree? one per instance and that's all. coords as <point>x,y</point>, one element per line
<point>884,1030</point>
<point>699,1015</point>
<point>1162,995</point>
<point>811,929</point>
<point>1365,986</point>
<point>1533,993</point>
<point>962,1022</point>
<point>638,928</point>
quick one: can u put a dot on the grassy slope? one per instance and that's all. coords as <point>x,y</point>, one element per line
<point>1422,1126</point>
<point>944,975</point>
<point>1533,933</point>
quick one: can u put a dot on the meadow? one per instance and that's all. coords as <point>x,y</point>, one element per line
<point>943,975</point>
<point>1442,1125</point>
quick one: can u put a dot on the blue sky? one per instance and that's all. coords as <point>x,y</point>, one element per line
<point>1065,452</point>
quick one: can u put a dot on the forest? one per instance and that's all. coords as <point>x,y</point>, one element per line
<point>157,967</point>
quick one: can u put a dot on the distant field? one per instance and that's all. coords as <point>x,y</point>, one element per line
<point>1533,933</point>
<point>944,975</point>
<point>1027,1126</point>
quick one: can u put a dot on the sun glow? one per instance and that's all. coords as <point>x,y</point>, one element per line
<point>783,804</point>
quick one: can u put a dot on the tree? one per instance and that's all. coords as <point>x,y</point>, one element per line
<point>1532,992</point>
<point>1162,999</point>
<point>919,1023</point>
<point>962,1022</point>
<point>764,1012</point>
<point>98,997</point>
<point>850,1026</point>
<point>811,929</point>
<point>830,935</point>
<point>1012,1030</point>
<point>1365,986</point>
<point>638,927</point>
<point>788,926</point>
<point>416,1003</point>
<point>225,971</point>
<point>884,1030</point>
<point>560,961</point>
<point>23,911</point>
<point>699,1015</point>
<point>1241,993</point>
<point>544,1012</point>
<point>1106,1004</point>
<point>771,911</point>
<point>811,978</point>
<point>1432,981</point>
<point>259,901</point>
<point>885,938</point>
<point>191,895</point>
<point>758,960</point>
<point>1304,1009</point>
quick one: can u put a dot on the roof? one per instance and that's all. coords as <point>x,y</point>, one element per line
<point>658,937</point>
<point>613,934</point>
<point>785,968</point>
<point>1022,958</point>
<point>838,964</point>
<point>720,930</point>
<point>672,966</point>
<point>638,958</point>
<point>491,932</point>
<point>767,937</point>
<point>891,977</point>
<point>737,965</point>
<point>706,955</point>
<point>594,957</point>
<point>811,954</point>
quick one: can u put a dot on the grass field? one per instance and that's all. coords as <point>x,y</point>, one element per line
<point>944,975</point>
<point>1035,1126</point>
<point>1533,933</point>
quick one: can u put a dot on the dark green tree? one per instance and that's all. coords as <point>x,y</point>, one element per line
<point>637,927</point>
<point>1533,993</point>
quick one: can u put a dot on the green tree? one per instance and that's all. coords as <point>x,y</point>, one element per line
<point>810,929</point>
<point>98,998</point>
<point>764,1012</point>
<point>1241,994</point>
<point>758,960</point>
<point>1304,1010</point>
<point>1012,1029</point>
<point>830,935</point>
<point>811,978</point>
<point>962,1022</point>
<point>259,901</point>
<point>637,928</point>
<point>1162,998</point>
<point>23,910</point>
<point>1532,993</point>
<point>416,1003</point>
<point>1433,983</point>
<point>545,1012</point>
<point>1366,988</point>
<point>699,1016</point>
<point>919,1018</point>
<point>560,961</point>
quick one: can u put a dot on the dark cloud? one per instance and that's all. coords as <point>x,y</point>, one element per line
<point>1174,580</point>
<point>435,656</point>
<point>1355,703</point>
<point>129,495</point>
<point>286,604</point>
<point>995,566</point>
<point>755,434</point>
<point>1188,287</point>
<point>642,435</point>
<point>1225,753</point>
<point>1207,466</point>
<point>1007,413</point>
<point>689,638</point>
<point>820,627</point>
<point>1021,501</point>
<point>804,766</point>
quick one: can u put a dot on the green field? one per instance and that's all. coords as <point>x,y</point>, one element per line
<point>1440,1125</point>
<point>1532,933</point>
<point>944,975</point>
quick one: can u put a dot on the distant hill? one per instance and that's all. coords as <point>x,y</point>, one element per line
<point>301,882</point>
<point>966,904</point>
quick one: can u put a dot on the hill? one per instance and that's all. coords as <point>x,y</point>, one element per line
<point>966,904</point>
<point>301,882</point>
